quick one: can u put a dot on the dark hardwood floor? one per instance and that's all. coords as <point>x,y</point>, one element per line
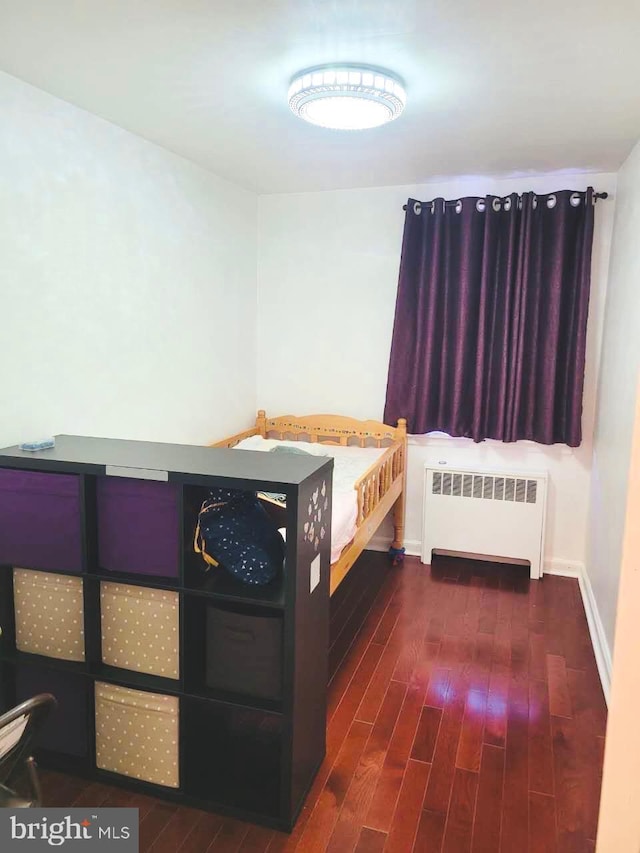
<point>467,715</point>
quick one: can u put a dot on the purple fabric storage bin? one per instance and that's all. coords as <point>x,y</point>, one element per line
<point>40,520</point>
<point>138,526</point>
<point>66,729</point>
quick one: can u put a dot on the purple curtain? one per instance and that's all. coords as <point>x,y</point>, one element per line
<point>490,326</point>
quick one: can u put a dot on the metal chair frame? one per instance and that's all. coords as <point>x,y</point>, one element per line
<point>16,761</point>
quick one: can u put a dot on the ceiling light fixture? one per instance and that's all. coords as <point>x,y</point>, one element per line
<point>347,97</point>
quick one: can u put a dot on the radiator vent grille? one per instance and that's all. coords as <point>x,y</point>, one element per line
<point>485,487</point>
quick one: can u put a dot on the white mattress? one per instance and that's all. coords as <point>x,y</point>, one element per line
<point>350,463</point>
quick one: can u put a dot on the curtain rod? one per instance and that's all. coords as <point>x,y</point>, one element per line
<point>596,196</point>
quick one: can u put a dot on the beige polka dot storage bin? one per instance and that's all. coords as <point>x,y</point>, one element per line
<point>49,614</point>
<point>140,629</point>
<point>137,734</point>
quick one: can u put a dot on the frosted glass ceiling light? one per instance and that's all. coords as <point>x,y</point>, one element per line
<point>347,97</point>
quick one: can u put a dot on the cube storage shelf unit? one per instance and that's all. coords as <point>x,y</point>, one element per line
<point>170,679</point>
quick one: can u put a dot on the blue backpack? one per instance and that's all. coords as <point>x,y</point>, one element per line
<point>234,531</point>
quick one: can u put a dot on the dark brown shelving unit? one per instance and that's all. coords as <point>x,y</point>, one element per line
<point>247,751</point>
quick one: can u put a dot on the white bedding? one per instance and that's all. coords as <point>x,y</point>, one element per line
<point>350,463</point>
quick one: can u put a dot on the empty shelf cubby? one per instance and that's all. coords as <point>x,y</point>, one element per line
<point>233,755</point>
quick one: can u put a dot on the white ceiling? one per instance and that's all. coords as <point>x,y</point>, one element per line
<point>494,86</point>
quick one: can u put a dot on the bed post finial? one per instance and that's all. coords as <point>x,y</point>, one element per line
<point>402,427</point>
<point>261,423</point>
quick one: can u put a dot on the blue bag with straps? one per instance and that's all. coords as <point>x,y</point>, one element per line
<point>235,532</point>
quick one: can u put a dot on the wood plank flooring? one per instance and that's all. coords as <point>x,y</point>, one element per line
<point>465,717</point>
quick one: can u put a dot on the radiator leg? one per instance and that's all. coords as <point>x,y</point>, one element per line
<point>536,567</point>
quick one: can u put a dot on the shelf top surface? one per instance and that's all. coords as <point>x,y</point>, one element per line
<point>157,461</point>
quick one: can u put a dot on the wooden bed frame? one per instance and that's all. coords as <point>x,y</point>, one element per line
<point>380,489</point>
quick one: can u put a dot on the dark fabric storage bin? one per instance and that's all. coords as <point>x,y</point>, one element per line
<point>244,653</point>
<point>40,515</point>
<point>138,526</point>
<point>66,729</point>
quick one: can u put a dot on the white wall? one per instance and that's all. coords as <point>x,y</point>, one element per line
<point>327,279</point>
<point>616,398</point>
<point>619,822</point>
<point>127,282</point>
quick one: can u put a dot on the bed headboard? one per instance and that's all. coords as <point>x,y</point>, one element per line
<point>330,429</point>
<point>325,429</point>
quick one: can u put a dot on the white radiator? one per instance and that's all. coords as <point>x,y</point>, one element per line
<point>484,512</point>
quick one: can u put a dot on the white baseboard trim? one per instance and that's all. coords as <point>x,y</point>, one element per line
<point>563,568</point>
<point>596,630</point>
